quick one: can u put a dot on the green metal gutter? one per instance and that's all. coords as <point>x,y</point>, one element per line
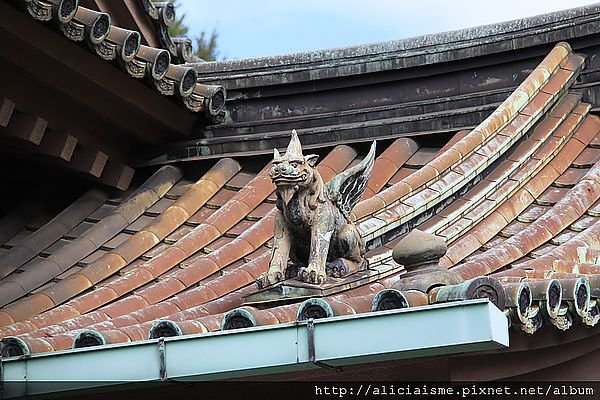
<point>472,325</point>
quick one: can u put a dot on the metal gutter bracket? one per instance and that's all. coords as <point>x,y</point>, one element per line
<point>162,359</point>
<point>310,329</point>
<point>1,378</point>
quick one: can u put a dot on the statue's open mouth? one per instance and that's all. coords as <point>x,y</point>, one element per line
<point>283,179</point>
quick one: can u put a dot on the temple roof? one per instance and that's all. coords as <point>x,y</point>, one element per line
<point>513,190</point>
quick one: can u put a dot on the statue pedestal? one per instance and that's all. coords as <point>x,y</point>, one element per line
<point>294,290</point>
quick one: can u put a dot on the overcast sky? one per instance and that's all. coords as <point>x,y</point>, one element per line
<point>254,28</point>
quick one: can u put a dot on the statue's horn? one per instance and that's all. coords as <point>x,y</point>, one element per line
<point>294,149</point>
<point>276,155</point>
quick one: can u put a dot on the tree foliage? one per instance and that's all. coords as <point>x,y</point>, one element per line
<point>205,45</point>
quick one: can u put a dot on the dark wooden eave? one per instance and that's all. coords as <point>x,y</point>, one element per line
<point>126,104</point>
<point>64,106</point>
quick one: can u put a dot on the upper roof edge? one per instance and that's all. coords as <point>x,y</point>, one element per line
<point>452,38</point>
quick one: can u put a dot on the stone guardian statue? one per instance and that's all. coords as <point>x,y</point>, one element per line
<point>314,236</point>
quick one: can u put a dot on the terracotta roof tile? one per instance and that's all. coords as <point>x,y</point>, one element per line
<point>208,260</point>
<point>551,196</point>
<point>421,157</point>
<point>544,249</point>
<point>595,142</point>
<point>532,213</point>
<point>49,233</point>
<point>583,223</point>
<point>570,177</point>
<point>587,158</point>
<point>145,279</point>
<point>220,242</point>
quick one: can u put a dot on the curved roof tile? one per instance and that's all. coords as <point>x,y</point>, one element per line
<point>515,198</point>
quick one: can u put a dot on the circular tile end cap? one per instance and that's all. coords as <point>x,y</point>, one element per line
<point>88,338</point>
<point>389,299</point>
<point>238,319</point>
<point>314,308</point>
<point>164,328</point>
<point>12,346</point>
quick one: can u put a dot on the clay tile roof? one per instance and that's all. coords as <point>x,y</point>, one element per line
<point>515,199</point>
<point>123,48</point>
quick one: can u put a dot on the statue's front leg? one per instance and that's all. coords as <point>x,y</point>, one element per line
<point>319,247</point>
<point>280,253</point>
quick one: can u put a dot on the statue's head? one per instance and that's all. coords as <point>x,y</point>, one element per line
<point>293,168</point>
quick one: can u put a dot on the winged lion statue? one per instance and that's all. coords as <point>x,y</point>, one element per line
<point>314,236</point>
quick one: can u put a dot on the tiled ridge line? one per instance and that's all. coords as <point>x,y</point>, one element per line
<point>335,162</point>
<point>393,216</point>
<point>559,217</point>
<point>468,166</point>
<point>52,231</point>
<point>481,232</point>
<point>504,189</point>
<point>561,262</point>
<point>401,211</point>
<point>505,113</point>
<point>526,150</point>
<point>146,195</point>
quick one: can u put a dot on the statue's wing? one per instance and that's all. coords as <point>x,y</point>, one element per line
<point>346,188</point>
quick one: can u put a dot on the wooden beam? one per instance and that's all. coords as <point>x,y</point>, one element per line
<point>89,161</point>
<point>26,127</point>
<point>6,110</point>
<point>58,144</point>
<point>117,175</point>
<point>111,94</point>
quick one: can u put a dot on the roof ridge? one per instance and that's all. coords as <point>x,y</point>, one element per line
<point>469,34</point>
